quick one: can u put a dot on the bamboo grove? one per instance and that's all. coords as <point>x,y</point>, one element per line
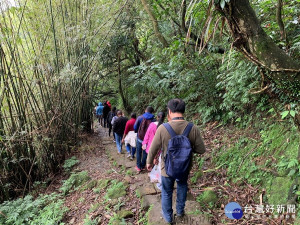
<point>49,70</point>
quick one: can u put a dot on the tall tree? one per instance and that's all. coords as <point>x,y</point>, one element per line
<point>257,46</point>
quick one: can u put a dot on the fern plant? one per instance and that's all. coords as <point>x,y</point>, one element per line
<point>70,163</point>
<point>46,209</point>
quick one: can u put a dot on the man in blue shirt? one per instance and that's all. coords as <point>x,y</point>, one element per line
<point>99,113</point>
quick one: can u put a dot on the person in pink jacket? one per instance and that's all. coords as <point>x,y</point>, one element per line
<point>151,131</point>
<point>148,140</point>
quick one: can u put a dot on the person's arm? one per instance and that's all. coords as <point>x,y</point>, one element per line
<point>112,121</point>
<point>126,129</point>
<point>155,147</point>
<point>199,146</point>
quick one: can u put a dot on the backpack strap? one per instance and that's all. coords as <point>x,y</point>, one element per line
<point>187,130</point>
<point>170,129</point>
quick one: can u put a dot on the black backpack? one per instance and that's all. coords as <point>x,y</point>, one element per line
<point>110,116</point>
<point>143,128</point>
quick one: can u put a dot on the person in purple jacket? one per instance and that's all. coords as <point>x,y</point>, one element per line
<point>140,127</point>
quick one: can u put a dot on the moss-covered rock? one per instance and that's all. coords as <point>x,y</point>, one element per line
<point>89,185</point>
<point>102,184</point>
<point>116,189</point>
<point>208,197</point>
<point>277,193</point>
<point>125,214</point>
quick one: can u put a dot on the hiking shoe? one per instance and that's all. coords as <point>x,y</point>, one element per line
<point>131,158</point>
<point>180,218</point>
<point>128,155</point>
<point>180,215</point>
<point>114,141</point>
<point>137,169</point>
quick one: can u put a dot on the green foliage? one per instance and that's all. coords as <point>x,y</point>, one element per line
<point>208,198</point>
<point>129,172</point>
<point>278,190</point>
<point>102,184</point>
<point>116,220</point>
<point>74,181</point>
<point>292,113</point>
<point>196,176</point>
<point>138,194</point>
<point>89,221</point>
<point>259,161</point>
<point>70,163</point>
<point>46,209</point>
<point>89,185</point>
<point>118,205</point>
<point>116,189</point>
<point>145,217</point>
<point>94,207</point>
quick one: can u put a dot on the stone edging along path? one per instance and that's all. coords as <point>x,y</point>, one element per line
<point>150,195</point>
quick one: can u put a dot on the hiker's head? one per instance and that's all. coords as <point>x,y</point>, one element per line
<point>133,115</point>
<point>160,117</point>
<point>176,107</point>
<point>149,109</point>
<point>119,113</point>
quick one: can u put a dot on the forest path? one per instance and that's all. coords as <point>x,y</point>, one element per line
<point>116,193</point>
<point>148,192</point>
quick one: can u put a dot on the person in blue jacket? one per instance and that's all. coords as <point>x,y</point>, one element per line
<point>99,113</point>
<point>140,127</point>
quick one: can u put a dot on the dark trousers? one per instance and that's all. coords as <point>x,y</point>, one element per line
<point>105,122</point>
<point>141,155</point>
<point>167,194</point>
<point>109,129</point>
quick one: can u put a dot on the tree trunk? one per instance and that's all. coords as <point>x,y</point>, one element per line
<point>155,24</point>
<point>279,21</point>
<point>121,91</point>
<point>257,46</point>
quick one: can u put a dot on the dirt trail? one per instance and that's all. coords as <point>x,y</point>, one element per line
<point>139,204</point>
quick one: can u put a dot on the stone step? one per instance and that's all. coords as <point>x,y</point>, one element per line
<point>149,200</point>
<point>147,189</point>
<point>154,215</point>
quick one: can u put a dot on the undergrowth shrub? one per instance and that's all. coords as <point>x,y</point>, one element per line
<point>46,209</point>
<point>70,163</point>
<point>116,189</point>
<point>260,160</point>
<point>74,181</point>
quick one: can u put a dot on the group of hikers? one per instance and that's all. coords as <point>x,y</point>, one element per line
<point>155,143</point>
